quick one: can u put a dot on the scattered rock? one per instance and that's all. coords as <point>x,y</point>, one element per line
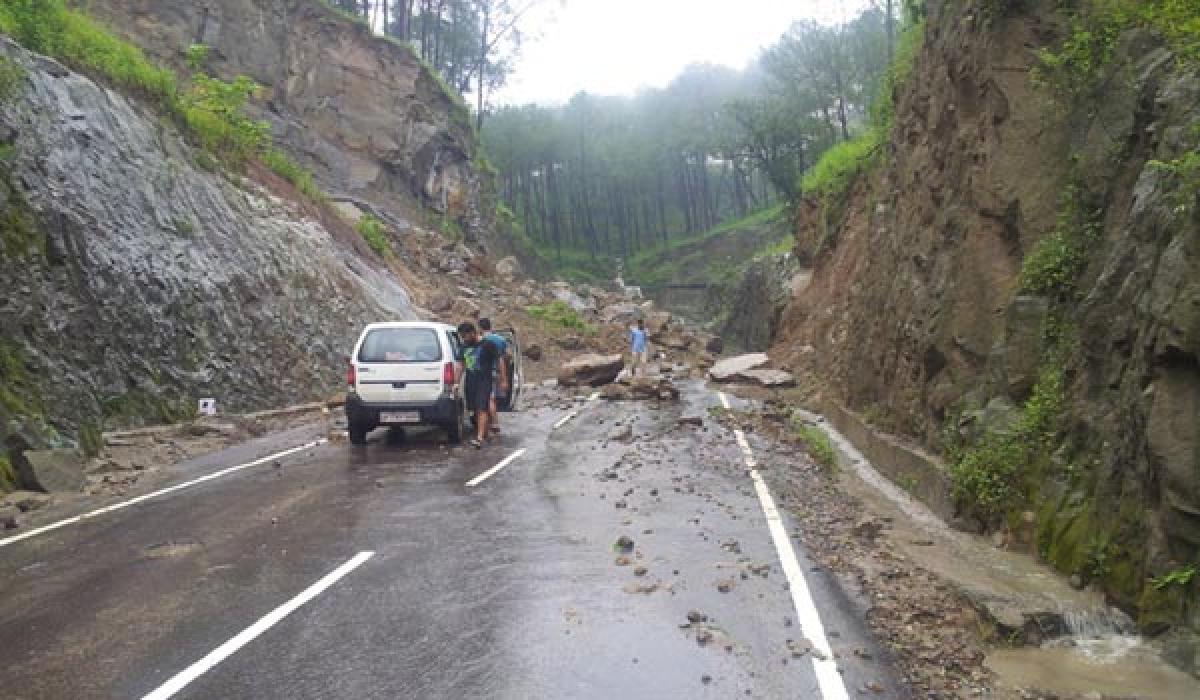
<point>703,636</point>
<point>621,433</point>
<point>639,571</point>
<point>27,501</point>
<point>8,517</point>
<point>691,420</point>
<point>624,543</point>
<point>696,617</point>
<point>508,268</point>
<point>725,585</point>
<point>533,352</point>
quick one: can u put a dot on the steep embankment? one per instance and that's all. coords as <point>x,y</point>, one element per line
<point>360,111</point>
<point>732,278</point>
<point>1016,284</point>
<point>136,281</point>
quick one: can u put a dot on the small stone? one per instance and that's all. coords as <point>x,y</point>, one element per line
<point>1076,582</point>
<point>624,543</point>
<point>706,679</point>
<point>695,617</point>
<point>623,561</point>
<point>639,571</point>
<point>274,521</point>
<point>379,483</point>
<point>725,586</point>
<point>874,687</point>
<point>703,636</point>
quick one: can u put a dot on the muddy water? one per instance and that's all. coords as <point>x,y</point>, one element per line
<point>1115,666</point>
<point>1098,658</point>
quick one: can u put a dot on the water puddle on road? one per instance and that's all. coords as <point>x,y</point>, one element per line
<point>1114,665</point>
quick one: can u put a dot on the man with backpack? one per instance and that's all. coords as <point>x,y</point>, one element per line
<point>500,386</point>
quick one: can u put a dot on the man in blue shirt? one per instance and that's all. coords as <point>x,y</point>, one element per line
<point>637,339</point>
<point>500,384</point>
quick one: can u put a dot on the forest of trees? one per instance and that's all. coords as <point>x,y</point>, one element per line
<point>611,176</point>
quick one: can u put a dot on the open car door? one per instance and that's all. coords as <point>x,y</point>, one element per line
<point>515,375</point>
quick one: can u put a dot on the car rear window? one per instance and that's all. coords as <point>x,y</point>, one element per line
<point>400,345</point>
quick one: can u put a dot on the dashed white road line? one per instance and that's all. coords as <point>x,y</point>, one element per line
<point>828,679</point>
<point>565,419</point>
<point>161,492</point>
<point>216,656</point>
<point>503,463</point>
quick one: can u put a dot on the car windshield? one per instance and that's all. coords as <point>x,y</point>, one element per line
<point>400,345</point>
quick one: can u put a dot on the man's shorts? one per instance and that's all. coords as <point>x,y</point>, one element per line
<point>478,387</point>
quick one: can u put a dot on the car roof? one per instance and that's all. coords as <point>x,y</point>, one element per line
<point>409,324</point>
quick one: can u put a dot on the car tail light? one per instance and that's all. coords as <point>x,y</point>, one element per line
<point>448,374</point>
<point>351,375</point>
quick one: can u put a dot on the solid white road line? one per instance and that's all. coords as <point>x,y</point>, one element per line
<point>504,463</point>
<point>828,679</point>
<point>161,492</point>
<point>216,656</point>
<point>563,421</point>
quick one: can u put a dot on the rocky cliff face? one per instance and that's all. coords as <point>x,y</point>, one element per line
<point>922,318</point>
<point>360,111</point>
<point>136,281</point>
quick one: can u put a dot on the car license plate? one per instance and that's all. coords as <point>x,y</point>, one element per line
<point>400,417</point>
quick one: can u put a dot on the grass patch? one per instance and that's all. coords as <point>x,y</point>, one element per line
<point>816,443</point>
<point>286,168</point>
<point>840,165</point>
<point>561,315</point>
<point>373,232</point>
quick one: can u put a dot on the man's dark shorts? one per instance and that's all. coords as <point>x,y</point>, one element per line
<point>479,390</point>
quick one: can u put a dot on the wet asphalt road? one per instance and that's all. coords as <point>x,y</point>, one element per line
<point>505,590</point>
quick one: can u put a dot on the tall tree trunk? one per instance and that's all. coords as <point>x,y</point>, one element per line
<point>481,63</point>
<point>890,22</point>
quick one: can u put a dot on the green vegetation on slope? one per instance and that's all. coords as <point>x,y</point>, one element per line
<point>715,255</point>
<point>560,315</point>
<point>372,231</point>
<point>211,111</point>
<point>1077,66</point>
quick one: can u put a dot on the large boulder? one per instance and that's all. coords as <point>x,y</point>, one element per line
<point>508,268</point>
<point>641,388</point>
<point>727,370</point>
<point>622,314</point>
<point>771,378</point>
<point>657,323</point>
<point>51,470</point>
<point>591,370</point>
<point>676,340</point>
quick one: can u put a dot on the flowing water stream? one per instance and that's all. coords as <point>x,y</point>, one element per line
<point>1093,652</point>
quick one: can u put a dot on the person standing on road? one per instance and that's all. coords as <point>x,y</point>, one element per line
<point>479,360</point>
<point>637,338</point>
<point>500,386</point>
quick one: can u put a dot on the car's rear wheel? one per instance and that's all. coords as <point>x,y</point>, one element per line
<point>456,430</point>
<point>358,433</point>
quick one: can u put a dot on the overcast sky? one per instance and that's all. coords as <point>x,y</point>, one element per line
<point>613,47</point>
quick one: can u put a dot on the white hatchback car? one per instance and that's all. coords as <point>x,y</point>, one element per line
<point>406,373</point>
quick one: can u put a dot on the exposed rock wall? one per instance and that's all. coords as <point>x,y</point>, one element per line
<point>917,313</point>
<point>135,281</point>
<point>362,112</point>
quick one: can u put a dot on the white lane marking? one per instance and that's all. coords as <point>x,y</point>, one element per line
<point>565,419</point>
<point>504,463</point>
<point>161,492</point>
<point>216,656</point>
<point>828,679</point>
